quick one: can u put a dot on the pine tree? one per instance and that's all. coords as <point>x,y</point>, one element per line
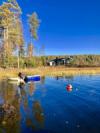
<point>34,23</point>
<point>10,20</point>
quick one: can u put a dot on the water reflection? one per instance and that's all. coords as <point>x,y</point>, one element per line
<point>38,113</point>
<point>43,80</point>
<point>18,107</point>
<point>34,117</point>
<point>9,108</point>
<point>9,118</point>
<point>46,106</point>
<point>66,78</point>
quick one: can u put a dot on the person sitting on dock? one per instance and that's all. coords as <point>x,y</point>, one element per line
<point>21,77</point>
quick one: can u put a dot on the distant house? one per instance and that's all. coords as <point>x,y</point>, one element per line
<point>59,61</point>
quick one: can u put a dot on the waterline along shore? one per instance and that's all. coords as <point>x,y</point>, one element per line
<point>49,71</point>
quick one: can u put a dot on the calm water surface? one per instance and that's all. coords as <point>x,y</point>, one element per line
<point>48,107</point>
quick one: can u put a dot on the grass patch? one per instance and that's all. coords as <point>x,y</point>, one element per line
<point>49,71</point>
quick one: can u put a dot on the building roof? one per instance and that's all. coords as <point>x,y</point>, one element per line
<point>59,59</point>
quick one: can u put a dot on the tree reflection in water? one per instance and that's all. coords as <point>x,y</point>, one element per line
<point>32,108</point>
<point>18,106</point>
<point>9,111</point>
<point>38,114</point>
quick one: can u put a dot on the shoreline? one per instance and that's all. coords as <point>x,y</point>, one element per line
<point>50,71</point>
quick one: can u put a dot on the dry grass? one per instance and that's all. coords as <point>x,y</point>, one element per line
<point>49,71</point>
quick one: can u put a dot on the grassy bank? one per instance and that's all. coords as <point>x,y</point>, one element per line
<point>49,71</point>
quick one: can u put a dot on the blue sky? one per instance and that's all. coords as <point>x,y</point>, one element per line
<point>67,26</point>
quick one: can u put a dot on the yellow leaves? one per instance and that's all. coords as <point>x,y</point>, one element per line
<point>13,25</point>
<point>34,23</point>
<point>6,15</point>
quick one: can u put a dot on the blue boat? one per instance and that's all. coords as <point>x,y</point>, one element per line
<point>32,78</point>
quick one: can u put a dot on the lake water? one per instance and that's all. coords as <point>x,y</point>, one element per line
<point>48,107</point>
